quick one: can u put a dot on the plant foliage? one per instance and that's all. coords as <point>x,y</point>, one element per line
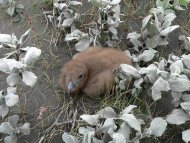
<point>18,69</point>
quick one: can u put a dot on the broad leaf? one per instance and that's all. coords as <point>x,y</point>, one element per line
<point>25,129</point>
<point>130,70</point>
<point>67,22</point>
<point>186,106</point>
<point>119,138</point>
<point>10,65</point>
<point>60,5</point>
<point>11,10</point>
<point>158,126</point>
<point>151,77</point>
<point>82,45</point>
<point>162,41</point>
<point>179,84</point>
<point>138,83</point>
<point>175,65</point>
<point>159,86</point>
<point>31,56</point>
<point>13,79</point>
<point>185,97</point>
<point>88,137</point>
<point>13,120</point>
<point>176,98</point>
<point>83,130</point>
<point>10,139</point>
<point>5,38</point>
<point>136,43</point>
<point>168,19</point>
<point>107,112</point>
<point>75,35</point>
<point>29,78</point>
<point>152,42</point>
<point>145,21</point>
<point>11,90</point>
<point>133,35</point>
<point>166,31</point>
<point>125,130</point>
<point>90,119</point>
<point>186,60</point>
<point>131,121</point>
<point>187,45</point>
<point>108,124</point>
<point>75,3</point>
<point>113,30</point>
<point>24,37</point>
<point>6,128</point>
<point>128,109</point>
<point>177,117</point>
<point>153,29</point>
<point>186,136</point>
<point>69,138</point>
<point>11,99</point>
<point>114,2</point>
<point>4,109</point>
<point>147,55</point>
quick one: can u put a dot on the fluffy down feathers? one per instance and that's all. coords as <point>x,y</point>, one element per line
<point>90,71</point>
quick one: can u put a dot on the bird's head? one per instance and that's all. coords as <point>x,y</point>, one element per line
<point>73,77</point>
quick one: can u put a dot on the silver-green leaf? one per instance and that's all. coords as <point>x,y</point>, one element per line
<point>24,37</point>
<point>107,112</point>
<point>11,99</point>
<point>177,117</point>
<point>6,128</point>
<point>4,109</point>
<point>158,126</point>
<point>29,78</point>
<point>166,31</point>
<point>186,136</point>
<point>90,119</point>
<point>25,129</point>
<point>131,121</point>
<point>31,56</point>
<point>82,45</point>
<point>130,70</point>
<point>13,79</point>
<point>69,138</point>
<point>159,86</point>
<point>10,139</point>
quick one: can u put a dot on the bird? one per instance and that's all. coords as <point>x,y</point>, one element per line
<point>91,71</point>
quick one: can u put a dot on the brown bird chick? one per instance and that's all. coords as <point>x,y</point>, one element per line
<point>91,71</point>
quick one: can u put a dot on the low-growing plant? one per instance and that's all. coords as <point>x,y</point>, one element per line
<point>108,126</point>
<point>17,65</point>
<point>64,17</point>
<point>106,24</point>
<point>152,75</point>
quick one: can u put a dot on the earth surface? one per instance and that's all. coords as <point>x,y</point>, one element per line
<point>47,94</point>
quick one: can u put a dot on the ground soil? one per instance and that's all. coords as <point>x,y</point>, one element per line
<point>47,92</point>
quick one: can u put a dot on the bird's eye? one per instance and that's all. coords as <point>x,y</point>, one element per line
<point>80,76</point>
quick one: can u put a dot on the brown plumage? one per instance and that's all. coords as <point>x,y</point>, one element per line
<point>91,71</point>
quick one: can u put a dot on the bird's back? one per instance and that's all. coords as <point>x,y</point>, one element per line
<point>100,59</point>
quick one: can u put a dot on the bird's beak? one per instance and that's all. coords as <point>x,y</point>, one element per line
<point>70,86</point>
